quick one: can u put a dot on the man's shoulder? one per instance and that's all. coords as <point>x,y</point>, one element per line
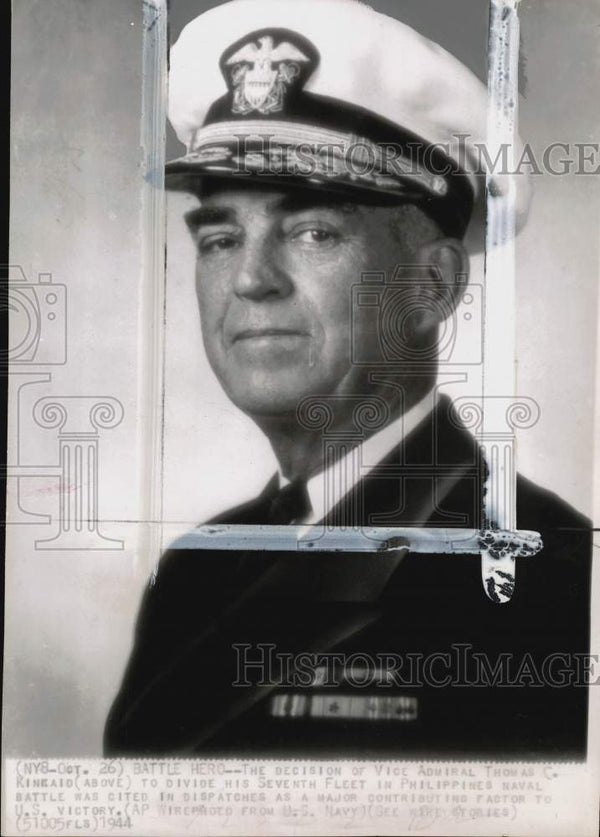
<point>213,567</point>
<point>538,507</point>
<point>249,512</point>
<point>559,577</point>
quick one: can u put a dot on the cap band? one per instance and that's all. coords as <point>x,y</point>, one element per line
<point>285,151</point>
<point>306,150</point>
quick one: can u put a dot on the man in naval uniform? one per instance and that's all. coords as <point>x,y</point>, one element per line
<point>312,134</point>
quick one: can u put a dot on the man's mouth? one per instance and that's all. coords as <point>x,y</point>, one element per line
<point>265,333</point>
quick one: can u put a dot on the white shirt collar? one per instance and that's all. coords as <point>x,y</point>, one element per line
<point>329,487</point>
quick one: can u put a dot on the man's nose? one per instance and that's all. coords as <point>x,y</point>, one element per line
<point>261,274</point>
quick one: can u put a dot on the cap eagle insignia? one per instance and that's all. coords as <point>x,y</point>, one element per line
<point>261,72</point>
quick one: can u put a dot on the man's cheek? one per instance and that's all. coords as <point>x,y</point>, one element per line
<point>212,308</point>
<point>212,338</point>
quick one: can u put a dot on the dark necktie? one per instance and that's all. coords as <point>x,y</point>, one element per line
<point>289,504</point>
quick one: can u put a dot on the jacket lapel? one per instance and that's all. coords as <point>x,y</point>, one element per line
<point>434,477</point>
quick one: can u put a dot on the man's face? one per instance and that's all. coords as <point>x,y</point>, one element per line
<point>275,270</point>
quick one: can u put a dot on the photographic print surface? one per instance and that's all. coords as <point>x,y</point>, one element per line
<point>302,377</point>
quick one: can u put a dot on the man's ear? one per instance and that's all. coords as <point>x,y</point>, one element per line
<point>448,264</point>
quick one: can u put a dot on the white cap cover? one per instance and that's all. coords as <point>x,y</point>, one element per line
<point>328,93</point>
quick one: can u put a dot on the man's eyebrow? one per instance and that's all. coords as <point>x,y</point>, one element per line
<point>207,215</point>
<point>299,203</point>
<point>203,216</point>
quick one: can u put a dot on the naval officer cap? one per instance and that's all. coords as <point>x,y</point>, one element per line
<point>331,95</point>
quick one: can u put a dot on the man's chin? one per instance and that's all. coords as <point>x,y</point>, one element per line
<point>264,400</point>
<point>268,408</point>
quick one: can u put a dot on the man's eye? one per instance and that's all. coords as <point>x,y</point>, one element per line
<point>316,235</point>
<point>213,244</point>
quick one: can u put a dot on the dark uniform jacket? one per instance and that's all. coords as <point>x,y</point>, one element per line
<point>446,672</point>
